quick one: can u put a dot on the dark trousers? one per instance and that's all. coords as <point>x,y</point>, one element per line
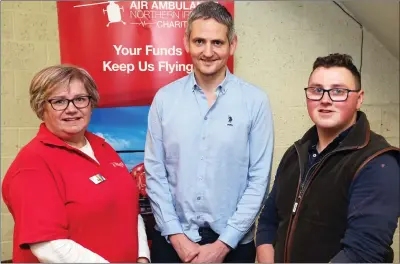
<point>163,252</point>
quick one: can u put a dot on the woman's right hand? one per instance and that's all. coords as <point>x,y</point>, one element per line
<point>142,260</point>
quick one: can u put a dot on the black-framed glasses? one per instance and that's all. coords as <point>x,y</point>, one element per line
<point>336,94</point>
<point>62,104</point>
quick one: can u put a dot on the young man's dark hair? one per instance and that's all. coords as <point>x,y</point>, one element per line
<point>339,60</point>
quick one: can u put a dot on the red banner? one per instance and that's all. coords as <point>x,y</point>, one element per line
<point>131,48</point>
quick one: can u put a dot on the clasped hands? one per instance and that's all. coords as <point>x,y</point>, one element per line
<point>189,251</point>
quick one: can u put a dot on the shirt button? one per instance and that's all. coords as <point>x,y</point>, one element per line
<point>205,118</point>
<point>199,198</point>
<point>201,158</point>
<point>203,138</point>
<point>314,155</point>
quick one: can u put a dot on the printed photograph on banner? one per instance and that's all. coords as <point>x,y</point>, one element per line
<point>124,128</point>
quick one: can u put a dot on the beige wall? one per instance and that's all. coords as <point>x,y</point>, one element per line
<point>29,42</point>
<point>278,42</point>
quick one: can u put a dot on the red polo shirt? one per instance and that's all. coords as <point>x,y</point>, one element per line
<point>48,192</point>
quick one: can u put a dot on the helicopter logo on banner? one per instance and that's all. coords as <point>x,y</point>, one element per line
<point>113,10</point>
<point>114,13</point>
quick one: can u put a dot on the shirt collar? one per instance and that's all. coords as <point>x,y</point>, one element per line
<point>333,144</point>
<point>47,137</point>
<point>223,86</point>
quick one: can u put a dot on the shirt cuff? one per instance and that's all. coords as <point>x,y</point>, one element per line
<point>231,236</point>
<point>144,251</point>
<point>172,227</point>
<point>144,254</point>
<point>265,237</point>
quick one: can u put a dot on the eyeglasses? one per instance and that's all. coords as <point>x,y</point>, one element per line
<point>62,104</point>
<point>336,94</point>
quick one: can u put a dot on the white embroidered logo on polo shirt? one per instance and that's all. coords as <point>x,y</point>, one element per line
<point>118,164</point>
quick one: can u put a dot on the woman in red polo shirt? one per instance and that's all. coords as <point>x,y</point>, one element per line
<point>71,196</point>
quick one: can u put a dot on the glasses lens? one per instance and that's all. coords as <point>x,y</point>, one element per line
<point>338,94</point>
<point>59,104</point>
<point>81,102</point>
<point>314,93</point>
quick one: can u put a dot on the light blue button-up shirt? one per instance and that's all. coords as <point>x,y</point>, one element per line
<point>208,166</point>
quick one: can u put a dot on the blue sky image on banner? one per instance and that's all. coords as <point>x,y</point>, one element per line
<point>124,128</point>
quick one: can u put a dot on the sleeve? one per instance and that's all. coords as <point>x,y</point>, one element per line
<point>267,221</point>
<point>64,251</point>
<point>373,212</point>
<point>156,175</point>
<point>261,141</point>
<point>144,251</point>
<point>36,204</point>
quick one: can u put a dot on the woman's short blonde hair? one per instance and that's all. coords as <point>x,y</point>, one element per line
<point>47,80</point>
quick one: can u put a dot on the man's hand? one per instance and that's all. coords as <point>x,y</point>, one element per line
<point>265,254</point>
<point>186,249</point>
<point>212,253</point>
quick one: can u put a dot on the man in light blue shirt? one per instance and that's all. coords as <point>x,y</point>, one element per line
<point>208,151</point>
